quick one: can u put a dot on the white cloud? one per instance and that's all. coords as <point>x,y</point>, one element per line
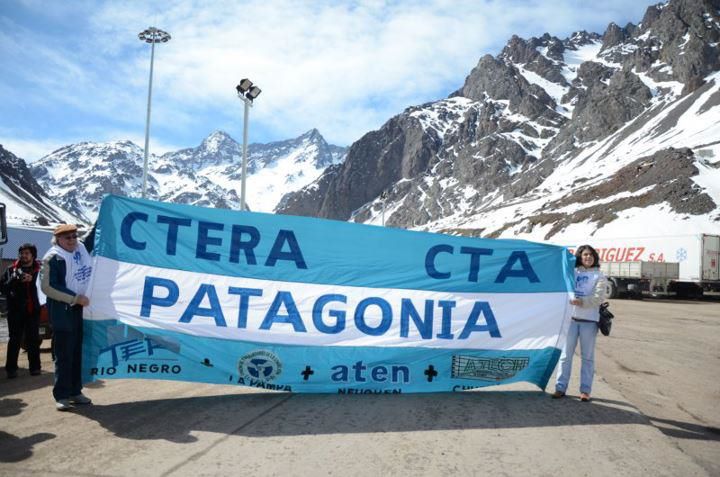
<point>343,67</point>
<point>29,150</point>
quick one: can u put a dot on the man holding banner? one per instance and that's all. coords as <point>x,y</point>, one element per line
<point>310,305</point>
<point>65,276</point>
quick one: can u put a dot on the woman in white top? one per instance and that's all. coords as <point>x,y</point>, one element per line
<point>590,291</point>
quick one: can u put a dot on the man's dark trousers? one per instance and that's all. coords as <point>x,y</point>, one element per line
<point>68,356</point>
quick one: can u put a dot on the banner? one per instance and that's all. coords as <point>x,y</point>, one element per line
<point>310,305</point>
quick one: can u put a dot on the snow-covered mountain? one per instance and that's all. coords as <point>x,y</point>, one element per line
<point>613,135</point>
<point>26,202</point>
<point>79,175</point>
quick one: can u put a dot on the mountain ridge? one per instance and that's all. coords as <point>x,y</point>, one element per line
<point>79,175</point>
<point>543,122</point>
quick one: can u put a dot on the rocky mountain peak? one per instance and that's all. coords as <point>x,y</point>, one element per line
<point>548,134</point>
<point>312,135</point>
<point>677,41</point>
<point>495,79</point>
<point>217,141</point>
<point>208,175</point>
<point>581,38</point>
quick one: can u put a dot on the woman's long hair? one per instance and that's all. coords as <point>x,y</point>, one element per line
<point>578,256</point>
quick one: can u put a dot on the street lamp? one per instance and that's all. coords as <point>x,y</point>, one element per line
<point>152,35</point>
<point>247,92</point>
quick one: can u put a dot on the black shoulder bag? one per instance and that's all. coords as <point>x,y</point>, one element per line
<point>605,321</point>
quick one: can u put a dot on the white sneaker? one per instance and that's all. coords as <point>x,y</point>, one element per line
<point>80,399</point>
<point>64,405</point>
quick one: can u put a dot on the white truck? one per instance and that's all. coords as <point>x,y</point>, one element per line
<point>634,278</point>
<point>697,257</point>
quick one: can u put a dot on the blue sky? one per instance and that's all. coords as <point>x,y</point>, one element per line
<point>75,70</point>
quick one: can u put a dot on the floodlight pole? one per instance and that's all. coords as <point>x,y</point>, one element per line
<point>246,119</point>
<point>147,120</point>
<point>247,92</point>
<point>152,35</point>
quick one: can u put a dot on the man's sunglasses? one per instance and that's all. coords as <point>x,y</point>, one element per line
<point>69,236</point>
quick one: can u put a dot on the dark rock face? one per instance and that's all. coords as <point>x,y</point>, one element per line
<point>602,109</point>
<point>493,78</point>
<point>308,201</point>
<point>399,150</point>
<point>614,35</point>
<point>519,51</point>
<point>677,41</point>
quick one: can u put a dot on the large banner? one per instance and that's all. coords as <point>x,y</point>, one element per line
<point>310,305</point>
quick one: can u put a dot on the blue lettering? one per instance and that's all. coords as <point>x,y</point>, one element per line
<point>245,294</point>
<point>359,368</point>
<point>446,328</point>
<point>385,322</point>
<point>397,370</point>
<point>481,308</point>
<point>237,244</point>
<point>126,230</point>
<point>526,271</point>
<point>475,254</point>
<point>293,315</point>
<point>173,224</point>
<point>204,240</point>
<point>149,299</point>
<point>339,315</point>
<point>277,253</point>
<point>194,309</point>
<point>341,373</point>
<point>379,374</point>
<point>407,311</point>
<point>430,261</point>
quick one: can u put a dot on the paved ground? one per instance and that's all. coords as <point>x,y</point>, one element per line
<point>654,413</point>
<point>665,359</point>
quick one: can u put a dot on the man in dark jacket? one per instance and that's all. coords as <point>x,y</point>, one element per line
<point>18,285</point>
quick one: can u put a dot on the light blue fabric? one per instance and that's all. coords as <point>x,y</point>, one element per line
<point>299,250</point>
<point>196,239</point>
<point>586,333</point>
<point>114,350</point>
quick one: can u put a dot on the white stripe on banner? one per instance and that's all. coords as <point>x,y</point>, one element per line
<point>310,314</point>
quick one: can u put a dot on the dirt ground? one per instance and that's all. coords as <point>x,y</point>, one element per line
<point>654,412</point>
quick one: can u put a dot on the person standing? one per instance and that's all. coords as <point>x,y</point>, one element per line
<point>590,292</point>
<point>18,285</point>
<point>65,276</point>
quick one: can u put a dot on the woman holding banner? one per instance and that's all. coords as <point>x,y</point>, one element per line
<point>590,292</point>
<point>65,276</point>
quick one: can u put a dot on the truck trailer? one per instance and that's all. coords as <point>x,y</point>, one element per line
<point>634,278</point>
<point>697,257</point>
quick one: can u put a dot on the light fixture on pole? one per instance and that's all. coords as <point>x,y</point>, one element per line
<point>247,92</point>
<point>152,35</point>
